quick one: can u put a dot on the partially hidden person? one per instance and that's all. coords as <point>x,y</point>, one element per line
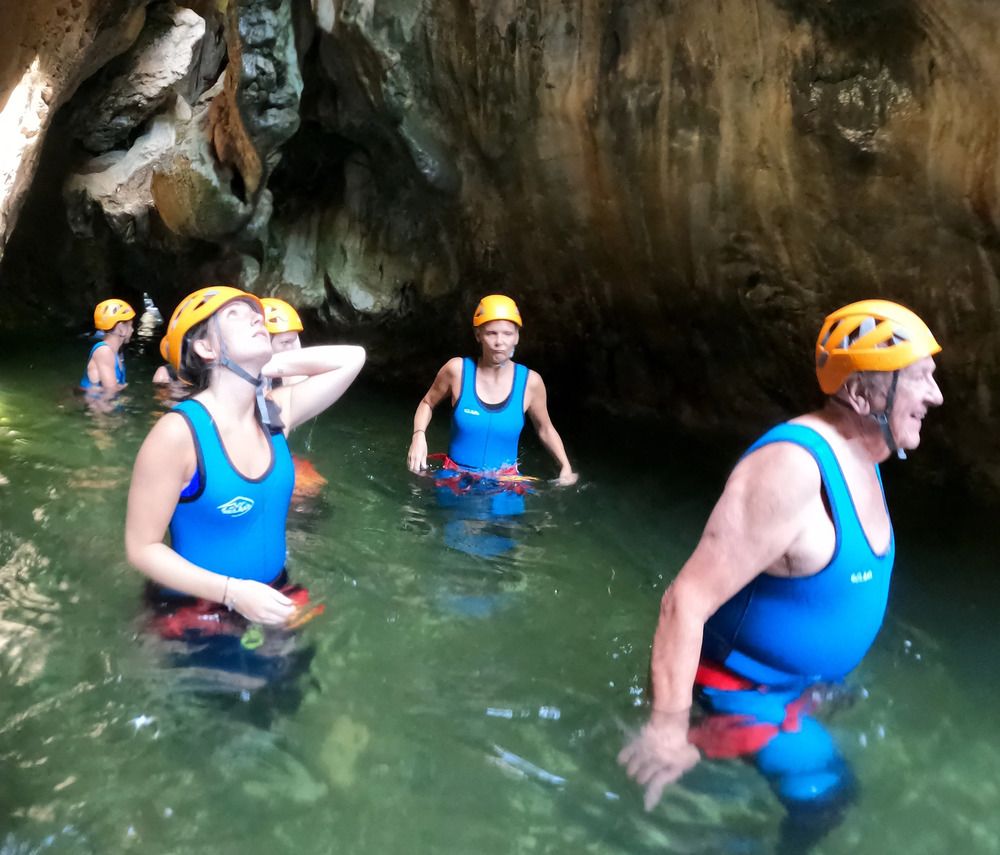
<point>284,325</point>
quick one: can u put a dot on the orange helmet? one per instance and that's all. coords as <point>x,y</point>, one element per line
<point>192,310</point>
<point>872,335</point>
<point>110,312</point>
<point>280,317</point>
<point>496,307</point>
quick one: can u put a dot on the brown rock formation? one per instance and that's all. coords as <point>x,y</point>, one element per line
<point>677,192</point>
<point>47,49</point>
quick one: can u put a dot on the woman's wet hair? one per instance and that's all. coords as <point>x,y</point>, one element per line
<point>193,369</point>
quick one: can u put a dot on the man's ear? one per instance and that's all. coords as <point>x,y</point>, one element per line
<point>855,395</point>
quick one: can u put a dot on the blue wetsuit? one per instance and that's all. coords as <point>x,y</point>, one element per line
<point>484,441</point>
<point>484,437</point>
<point>818,628</point>
<point>781,636</point>
<point>225,522</point>
<point>119,369</point>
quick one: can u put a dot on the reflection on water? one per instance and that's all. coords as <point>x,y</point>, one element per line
<point>455,701</point>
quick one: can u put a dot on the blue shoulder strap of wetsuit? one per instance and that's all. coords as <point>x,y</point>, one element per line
<point>520,384</point>
<point>468,390</point>
<point>841,503</point>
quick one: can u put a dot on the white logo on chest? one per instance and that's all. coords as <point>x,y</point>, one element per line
<point>858,578</point>
<point>237,506</point>
<point>469,412</point>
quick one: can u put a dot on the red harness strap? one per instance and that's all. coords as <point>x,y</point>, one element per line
<point>727,736</point>
<point>205,618</point>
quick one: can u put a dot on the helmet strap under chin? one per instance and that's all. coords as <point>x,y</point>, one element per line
<point>882,419</point>
<point>259,382</point>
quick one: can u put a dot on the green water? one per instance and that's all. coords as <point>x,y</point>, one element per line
<point>454,703</point>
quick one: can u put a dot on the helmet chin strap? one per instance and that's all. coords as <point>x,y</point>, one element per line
<point>882,419</point>
<point>259,382</point>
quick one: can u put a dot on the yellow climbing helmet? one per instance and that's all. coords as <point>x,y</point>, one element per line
<point>107,313</point>
<point>280,317</point>
<point>192,310</point>
<point>871,335</point>
<point>496,307</point>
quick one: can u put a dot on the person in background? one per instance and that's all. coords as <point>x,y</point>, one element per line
<point>490,397</point>
<point>165,374</point>
<point>105,371</point>
<point>284,325</point>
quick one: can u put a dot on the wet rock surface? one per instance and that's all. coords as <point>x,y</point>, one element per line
<point>676,193</point>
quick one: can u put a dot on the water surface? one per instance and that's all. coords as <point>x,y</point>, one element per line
<point>455,703</point>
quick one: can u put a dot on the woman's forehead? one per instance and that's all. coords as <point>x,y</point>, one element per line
<point>246,302</point>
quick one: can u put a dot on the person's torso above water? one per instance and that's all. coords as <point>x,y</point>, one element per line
<point>484,436</point>
<point>231,518</point>
<point>87,383</point>
<point>795,621</point>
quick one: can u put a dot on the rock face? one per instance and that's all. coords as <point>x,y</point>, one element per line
<point>47,49</point>
<point>675,192</point>
<point>161,63</point>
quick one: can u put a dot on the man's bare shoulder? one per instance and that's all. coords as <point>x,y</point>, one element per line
<point>783,472</point>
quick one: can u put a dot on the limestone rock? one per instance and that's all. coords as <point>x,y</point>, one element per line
<point>194,195</point>
<point>258,109</point>
<point>47,48</point>
<point>117,185</point>
<point>161,62</point>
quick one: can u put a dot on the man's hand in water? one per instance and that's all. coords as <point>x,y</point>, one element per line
<point>259,603</point>
<point>659,754</point>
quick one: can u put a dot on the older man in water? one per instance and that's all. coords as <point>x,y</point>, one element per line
<point>788,585</point>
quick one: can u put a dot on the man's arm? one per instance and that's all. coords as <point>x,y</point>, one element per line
<point>759,516</point>
<point>446,382</point>
<point>538,410</point>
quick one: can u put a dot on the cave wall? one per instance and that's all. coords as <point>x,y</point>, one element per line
<point>676,192</point>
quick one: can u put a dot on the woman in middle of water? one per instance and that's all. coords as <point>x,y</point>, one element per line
<point>216,469</point>
<point>490,397</point>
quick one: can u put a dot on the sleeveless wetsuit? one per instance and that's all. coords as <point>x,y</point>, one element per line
<point>780,630</point>
<point>484,437</point>
<point>119,368</point>
<point>225,522</point>
<point>766,647</point>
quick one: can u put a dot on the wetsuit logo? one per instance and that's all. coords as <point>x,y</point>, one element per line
<point>237,506</point>
<point>858,578</point>
<point>469,412</point>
